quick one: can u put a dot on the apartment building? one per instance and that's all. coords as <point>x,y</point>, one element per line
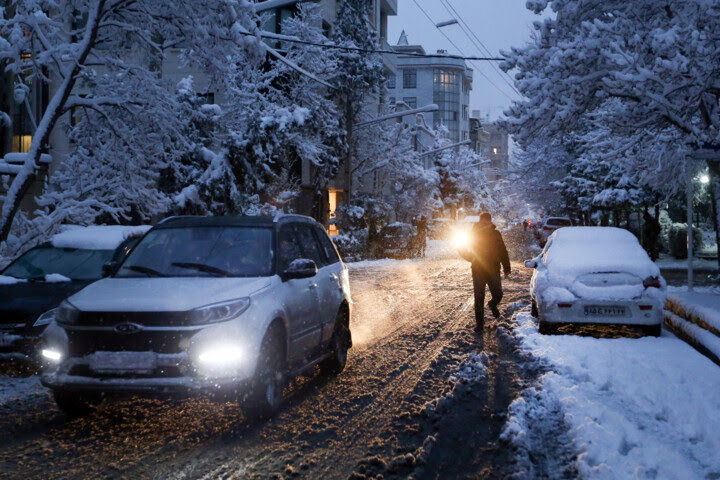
<point>18,139</point>
<point>442,80</point>
<point>491,141</point>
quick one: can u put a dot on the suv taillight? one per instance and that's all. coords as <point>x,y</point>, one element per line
<point>652,282</point>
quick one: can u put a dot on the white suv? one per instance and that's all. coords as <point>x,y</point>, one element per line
<point>237,305</point>
<point>549,225</point>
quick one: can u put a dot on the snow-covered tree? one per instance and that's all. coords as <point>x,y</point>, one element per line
<point>647,67</point>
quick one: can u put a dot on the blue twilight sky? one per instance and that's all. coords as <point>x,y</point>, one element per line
<point>498,24</point>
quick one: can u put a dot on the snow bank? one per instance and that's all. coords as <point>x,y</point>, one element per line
<point>703,305</point>
<point>96,237</point>
<point>703,337</point>
<point>15,388</point>
<point>634,408</point>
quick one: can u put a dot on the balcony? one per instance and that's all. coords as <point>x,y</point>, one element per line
<point>389,7</point>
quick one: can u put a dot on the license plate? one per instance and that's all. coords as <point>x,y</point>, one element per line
<point>605,311</point>
<point>123,362</point>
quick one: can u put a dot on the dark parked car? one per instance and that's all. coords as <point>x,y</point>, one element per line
<point>398,240</point>
<point>37,281</point>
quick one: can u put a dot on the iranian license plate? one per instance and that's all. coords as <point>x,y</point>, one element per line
<point>605,311</point>
<point>123,362</point>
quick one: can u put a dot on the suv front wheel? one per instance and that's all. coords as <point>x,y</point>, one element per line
<point>339,344</point>
<point>266,394</point>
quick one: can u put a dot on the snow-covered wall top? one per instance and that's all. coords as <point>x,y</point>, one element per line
<point>96,237</point>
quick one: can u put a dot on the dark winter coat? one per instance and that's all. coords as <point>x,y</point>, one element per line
<point>487,251</point>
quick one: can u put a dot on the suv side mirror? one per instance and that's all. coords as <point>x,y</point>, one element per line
<point>300,268</point>
<point>531,263</point>
<point>110,268</point>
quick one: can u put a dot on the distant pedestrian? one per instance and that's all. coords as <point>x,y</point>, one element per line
<point>422,230</point>
<point>486,252</point>
<point>651,235</point>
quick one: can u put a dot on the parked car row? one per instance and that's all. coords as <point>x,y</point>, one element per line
<point>236,306</point>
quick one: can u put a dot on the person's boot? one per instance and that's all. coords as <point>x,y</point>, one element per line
<point>479,325</point>
<point>494,310</point>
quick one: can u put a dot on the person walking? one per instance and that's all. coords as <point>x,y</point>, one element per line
<point>422,229</point>
<point>486,253</point>
<point>651,235</point>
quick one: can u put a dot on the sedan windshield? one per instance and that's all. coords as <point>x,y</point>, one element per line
<point>74,263</point>
<point>202,252</point>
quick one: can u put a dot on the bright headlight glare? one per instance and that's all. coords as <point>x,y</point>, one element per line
<point>461,239</point>
<point>51,354</point>
<point>221,356</point>
<point>46,318</point>
<point>220,312</point>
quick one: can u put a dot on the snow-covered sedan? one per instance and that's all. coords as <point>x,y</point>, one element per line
<point>596,275</point>
<point>39,279</point>
<point>232,305</point>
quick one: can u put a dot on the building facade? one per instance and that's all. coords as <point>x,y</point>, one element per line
<point>442,80</point>
<point>493,142</point>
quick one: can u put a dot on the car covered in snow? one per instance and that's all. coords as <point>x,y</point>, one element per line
<point>397,240</point>
<point>596,275</point>
<point>232,306</point>
<point>42,277</point>
<point>548,226</point>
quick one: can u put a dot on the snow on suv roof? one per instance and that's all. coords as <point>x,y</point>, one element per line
<point>578,250</point>
<point>96,237</point>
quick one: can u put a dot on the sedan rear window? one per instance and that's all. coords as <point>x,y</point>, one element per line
<point>202,252</point>
<point>559,222</point>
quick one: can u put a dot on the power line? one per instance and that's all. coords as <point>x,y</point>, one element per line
<point>478,43</point>
<point>332,46</point>
<point>459,50</point>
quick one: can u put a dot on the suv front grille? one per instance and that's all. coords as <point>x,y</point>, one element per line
<point>85,342</point>
<point>150,319</point>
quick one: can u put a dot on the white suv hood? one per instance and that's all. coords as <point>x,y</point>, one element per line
<point>163,294</point>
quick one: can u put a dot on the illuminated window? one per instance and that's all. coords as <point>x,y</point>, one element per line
<point>335,197</point>
<point>495,150</point>
<point>21,143</point>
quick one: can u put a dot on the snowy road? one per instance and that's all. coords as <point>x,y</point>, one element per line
<point>394,411</point>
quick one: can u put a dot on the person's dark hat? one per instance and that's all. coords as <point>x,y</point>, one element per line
<point>485,216</point>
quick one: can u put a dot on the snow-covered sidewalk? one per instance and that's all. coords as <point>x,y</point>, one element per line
<point>702,305</point>
<point>627,408</point>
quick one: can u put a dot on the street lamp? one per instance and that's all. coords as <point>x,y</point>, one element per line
<point>705,179</point>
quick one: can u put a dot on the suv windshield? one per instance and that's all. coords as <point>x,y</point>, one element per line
<point>76,264</point>
<point>202,252</point>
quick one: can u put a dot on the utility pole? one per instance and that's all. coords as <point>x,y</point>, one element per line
<point>689,193</point>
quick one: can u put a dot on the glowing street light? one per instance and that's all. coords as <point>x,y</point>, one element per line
<point>705,179</point>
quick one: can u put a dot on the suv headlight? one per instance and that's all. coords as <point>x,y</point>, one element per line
<point>220,312</point>
<point>46,318</point>
<point>66,313</point>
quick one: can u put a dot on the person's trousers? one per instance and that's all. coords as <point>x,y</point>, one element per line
<point>494,284</point>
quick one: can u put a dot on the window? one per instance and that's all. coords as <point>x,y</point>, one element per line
<point>410,101</point>
<point>409,78</point>
<point>331,255</point>
<point>392,100</point>
<point>391,81</point>
<point>465,112</point>
<point>446,95</point>
<point>202,252</point>
<point>309,245</point>
<point>288,247</point>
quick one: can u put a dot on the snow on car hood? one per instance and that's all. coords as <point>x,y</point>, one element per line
<point>163,294</point>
